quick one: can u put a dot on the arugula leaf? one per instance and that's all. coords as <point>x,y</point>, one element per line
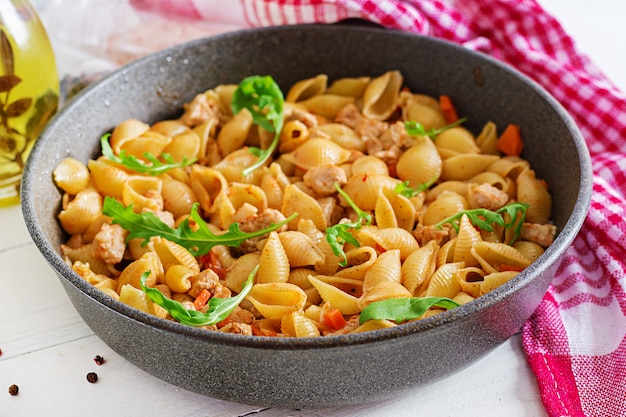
<point>219,308</point>
<point>340,234</point>
<point>198,242</point>
<point>155,165</point>
<point>484,219</point>
<point>264,99</point>
<point>414,128</point>
<point>403,309</point>
<point>403,188</point>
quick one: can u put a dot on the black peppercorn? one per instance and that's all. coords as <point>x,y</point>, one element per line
<point>92,377</point>
<point>14,389</point>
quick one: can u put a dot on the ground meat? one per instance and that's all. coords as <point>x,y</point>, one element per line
<point>350,326</point>
<point>396,135</point>
<point>110,243</point>
<point>486,196</point>
<point>237,328</point>
<point>300,115</point>
<point>200,110</point>
<point>256,222</point>
<point>322,179</point>
<point>364,127</point>
<point>208,280</point>
<point>425,234</point>
<point>542,234</point>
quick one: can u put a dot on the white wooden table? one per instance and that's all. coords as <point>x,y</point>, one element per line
<point>47,350</point>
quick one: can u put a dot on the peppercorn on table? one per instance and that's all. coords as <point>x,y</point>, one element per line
<point>51,363</point>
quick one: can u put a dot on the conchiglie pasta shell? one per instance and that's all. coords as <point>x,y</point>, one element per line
<point>275,299</point>
<point>178,278</point>
<point>207,183</point>
<point>363,189</point>
<point>240,270</point>
<point>380,98</point>
<point>234,163</point>
<point>530,250</point>
<point>487,139</point>
<point>83,210</point>
<point>148,142</point>
<point>389,239</point>
<point>496,279</point>
<point>297,324</point>
<point>240,194</point>
<point>464,166</point>
<point>351,86</point>
<point>273,191</point>
<point>445,253</point>
<point>307,88</point>
<point>420,164</point>
<point>383,212</point>
<point>124,131</point>
<point>107,177</point>
<point>149,262</point>
<point>185,145</point>
<point>178,197</point>
<point>422,109</point>
<point>300,249</point>
<point>209,151</point>
<point>234,133</point>
<point>359,260</point>
<point>369,165</point>
<point>509,166</point>
<point>471,280</point>
<point>491,255</point>
<point>327,105</point>
<point>403,208</point>
<point>169,128</point>
<point>419,267</point>
<point>341,134</point>
<point>143,193</point>
<point>387,267</point>
<point>171,253</point>
<point>444,282</point>
<point>317,152</point>
<point>348,285</point>
<point>338,299</point>
<point>459,187</point>
<point>466,239</point>
<point>71,175</point>
<point>383,290</point>
<point>447,204</point>
<point>274,264</point>
<point>372,325</point>
<point>458,140</point>
<point>297,201</point>
<point>136,298</point>
<point>534,193</point>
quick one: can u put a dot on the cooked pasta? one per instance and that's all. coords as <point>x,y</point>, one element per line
<point>351,208</point>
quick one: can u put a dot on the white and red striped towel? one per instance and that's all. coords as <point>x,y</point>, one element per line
<point>575,341</point>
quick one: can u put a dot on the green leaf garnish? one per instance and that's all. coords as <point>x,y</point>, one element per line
<point>264,99</point>
<point>155,166</point>
<point>340,234</point>
<point>414,128</point>
<point>403,188</point>
<point>197,242</point>
<point>485,219</point>
<point>219,308</point>
<point>400,310</point>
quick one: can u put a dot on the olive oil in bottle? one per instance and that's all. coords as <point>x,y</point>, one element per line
<point>29,90</point>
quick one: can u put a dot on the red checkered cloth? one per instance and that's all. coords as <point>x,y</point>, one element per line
<point>575,341</point>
